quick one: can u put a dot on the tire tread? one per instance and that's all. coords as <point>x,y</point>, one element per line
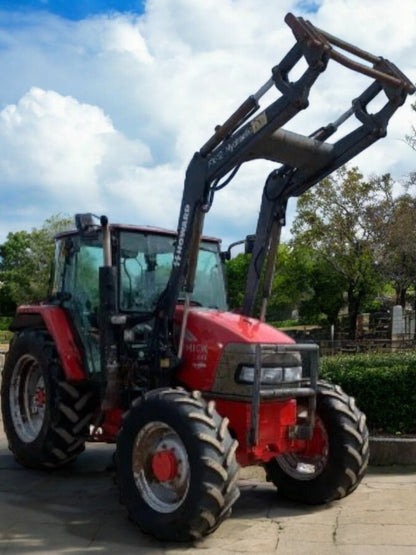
<point>69,410</point>
<point>219,469</point>
<point>348,438</point>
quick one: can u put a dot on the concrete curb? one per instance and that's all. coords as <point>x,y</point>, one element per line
<point>385,451</point>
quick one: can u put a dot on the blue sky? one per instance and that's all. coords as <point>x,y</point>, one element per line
<point>103,104</point>
<point>73,9</point>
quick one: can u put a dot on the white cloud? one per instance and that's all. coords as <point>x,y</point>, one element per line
<point>104,114</point>
<point>60,156</point>
<point>55,143</point>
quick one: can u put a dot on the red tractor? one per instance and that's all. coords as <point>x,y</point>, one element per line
<point>135,345</point>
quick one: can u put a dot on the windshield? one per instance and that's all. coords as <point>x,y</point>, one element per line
<point>145,266</point>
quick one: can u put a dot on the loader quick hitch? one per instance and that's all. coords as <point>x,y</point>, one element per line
<point>318,48</point>
<point>382,70</point>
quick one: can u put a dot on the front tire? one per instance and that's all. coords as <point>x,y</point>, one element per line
<point>46,419</point>
<point>333,463</point>
<point>176,466</point>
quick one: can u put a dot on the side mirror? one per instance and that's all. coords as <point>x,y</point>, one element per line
<point>249,244</point>
<point>248,247</point>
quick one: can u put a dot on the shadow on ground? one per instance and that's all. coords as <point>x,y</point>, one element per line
<point>78,507</point>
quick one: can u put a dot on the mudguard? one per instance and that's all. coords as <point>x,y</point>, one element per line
<point>55,319</point>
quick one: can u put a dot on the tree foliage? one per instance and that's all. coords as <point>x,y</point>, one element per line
<point>290,283</point>
<point>303,280</point>
<point>398,247</point>
<point>340,219</point>
<point>411,138</point>
<point>326,297</point>
<point>352,240</point>
<point>25,263</point>
<point>236,274</point>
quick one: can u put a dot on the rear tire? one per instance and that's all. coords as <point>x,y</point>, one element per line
<point>334,461</point>
<point>176,466</point>
<point>46,419</point>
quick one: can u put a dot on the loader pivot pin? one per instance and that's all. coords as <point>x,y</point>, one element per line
<point>165,465</point>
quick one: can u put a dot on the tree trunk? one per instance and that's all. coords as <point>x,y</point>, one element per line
<point>402,297</point>
<point>354,306</point>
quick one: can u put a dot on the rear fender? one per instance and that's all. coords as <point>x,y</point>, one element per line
<point>58,324</point>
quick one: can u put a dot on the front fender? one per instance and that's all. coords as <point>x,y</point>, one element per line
<point>56,321</point>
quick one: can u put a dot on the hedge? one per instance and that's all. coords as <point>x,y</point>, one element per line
<point>5,322</point>
<point>384,387</point>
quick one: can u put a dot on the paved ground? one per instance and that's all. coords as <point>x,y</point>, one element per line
<point>76,511</point>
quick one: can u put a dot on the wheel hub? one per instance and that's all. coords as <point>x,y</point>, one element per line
<point>161,467</point>
<point>27,398</point>
<point>165,465</point>
<point>39,399</point>
<point>309,462</point>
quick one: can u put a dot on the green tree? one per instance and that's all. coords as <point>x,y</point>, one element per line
<point>290,282</point>
<point>288,287</point>
<point>339,218</point>
<point>25,263</point>
<point>15,270</point>
<point>411,138</point>
<point>306,281</point>
<point>303,280</point>
<point>398,247</point>
<point>236,274</point>
<point>326,298</point>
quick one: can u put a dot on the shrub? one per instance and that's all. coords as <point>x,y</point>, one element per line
<point>5,335</point>
<point>5,322</point>
<point>384,386</point>
<point>284,323</point>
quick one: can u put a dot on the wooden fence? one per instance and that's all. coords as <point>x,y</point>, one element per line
<point>345,346</point>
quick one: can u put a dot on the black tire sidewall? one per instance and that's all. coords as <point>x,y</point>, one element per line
<point>334,480</point>
<point>152,410</point>
<point>33,344</point>
<point>329,478</point>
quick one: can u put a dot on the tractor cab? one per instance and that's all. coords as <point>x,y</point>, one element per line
<point>142,258</point>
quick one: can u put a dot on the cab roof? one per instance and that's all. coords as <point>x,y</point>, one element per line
<point>136,229</point>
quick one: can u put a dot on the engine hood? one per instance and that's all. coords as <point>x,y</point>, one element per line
<point>208,332</point>
<point>229,327</point>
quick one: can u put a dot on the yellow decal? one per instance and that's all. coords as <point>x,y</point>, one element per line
<point>259,122</point>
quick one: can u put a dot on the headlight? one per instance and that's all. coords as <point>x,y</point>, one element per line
<point>270,375</point>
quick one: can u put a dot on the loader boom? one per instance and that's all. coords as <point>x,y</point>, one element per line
<point>305,160</point>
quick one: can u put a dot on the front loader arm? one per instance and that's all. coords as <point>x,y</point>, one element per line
<point>311,159</point>
<point>305,159</point>
<point>226,150</point>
